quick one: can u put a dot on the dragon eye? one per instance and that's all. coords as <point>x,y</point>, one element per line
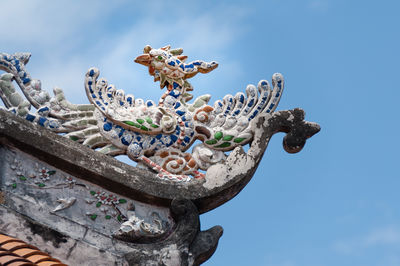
<point>159,57</point>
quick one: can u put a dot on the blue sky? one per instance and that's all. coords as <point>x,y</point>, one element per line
<point>334,203</point>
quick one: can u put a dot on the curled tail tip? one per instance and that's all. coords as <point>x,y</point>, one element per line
<point>263,85</point>
<point>92,72</point>
<point>251,90</point>
<point>23,56</point>
<point>277,77</point>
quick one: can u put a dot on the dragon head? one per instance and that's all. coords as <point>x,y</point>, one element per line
<point>168,65</point>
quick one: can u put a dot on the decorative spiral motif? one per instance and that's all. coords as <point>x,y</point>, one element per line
<point>175,165</point>
<point>201,116</point>
<point>168,124</point>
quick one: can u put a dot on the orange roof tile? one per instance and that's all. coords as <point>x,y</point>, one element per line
<point>15,252</point>
<point>11,246</point>
<point>21,263</point>
<point>5,252</point>
<point>38,258</point>
<point>26,252</point>
<point>4,260</point>
<point>50,263</point>
<point>5,239</point>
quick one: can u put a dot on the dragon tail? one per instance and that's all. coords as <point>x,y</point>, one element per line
<point>233,116</point>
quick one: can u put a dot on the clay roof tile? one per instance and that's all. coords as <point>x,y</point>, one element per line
<point>50,263</point>
<point>11,246</point>
<point>15,252</point>
<point>21,263</point>
<point>26,252</point>
<point>5,252</point>
<point>40,258</point>
<point>7,259</point>
<point>5,239</point>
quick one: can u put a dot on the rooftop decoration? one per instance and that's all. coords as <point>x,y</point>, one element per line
<point>154,134</point>
<point>84,206</point>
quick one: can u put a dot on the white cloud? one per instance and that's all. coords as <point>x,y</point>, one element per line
<point>383,236</point>
<point>46,23</point>
<point>388,236</point>
<point>68,37</point>
<point>204,38</point>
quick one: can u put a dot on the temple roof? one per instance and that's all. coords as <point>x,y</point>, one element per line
<point>15,252</point>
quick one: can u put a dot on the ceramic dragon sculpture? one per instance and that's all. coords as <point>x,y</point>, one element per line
<point>156,135</point>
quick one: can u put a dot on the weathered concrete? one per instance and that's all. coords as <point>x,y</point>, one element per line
<point>184,246</point>
<point>70,250</point>
<point>30,210</point>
